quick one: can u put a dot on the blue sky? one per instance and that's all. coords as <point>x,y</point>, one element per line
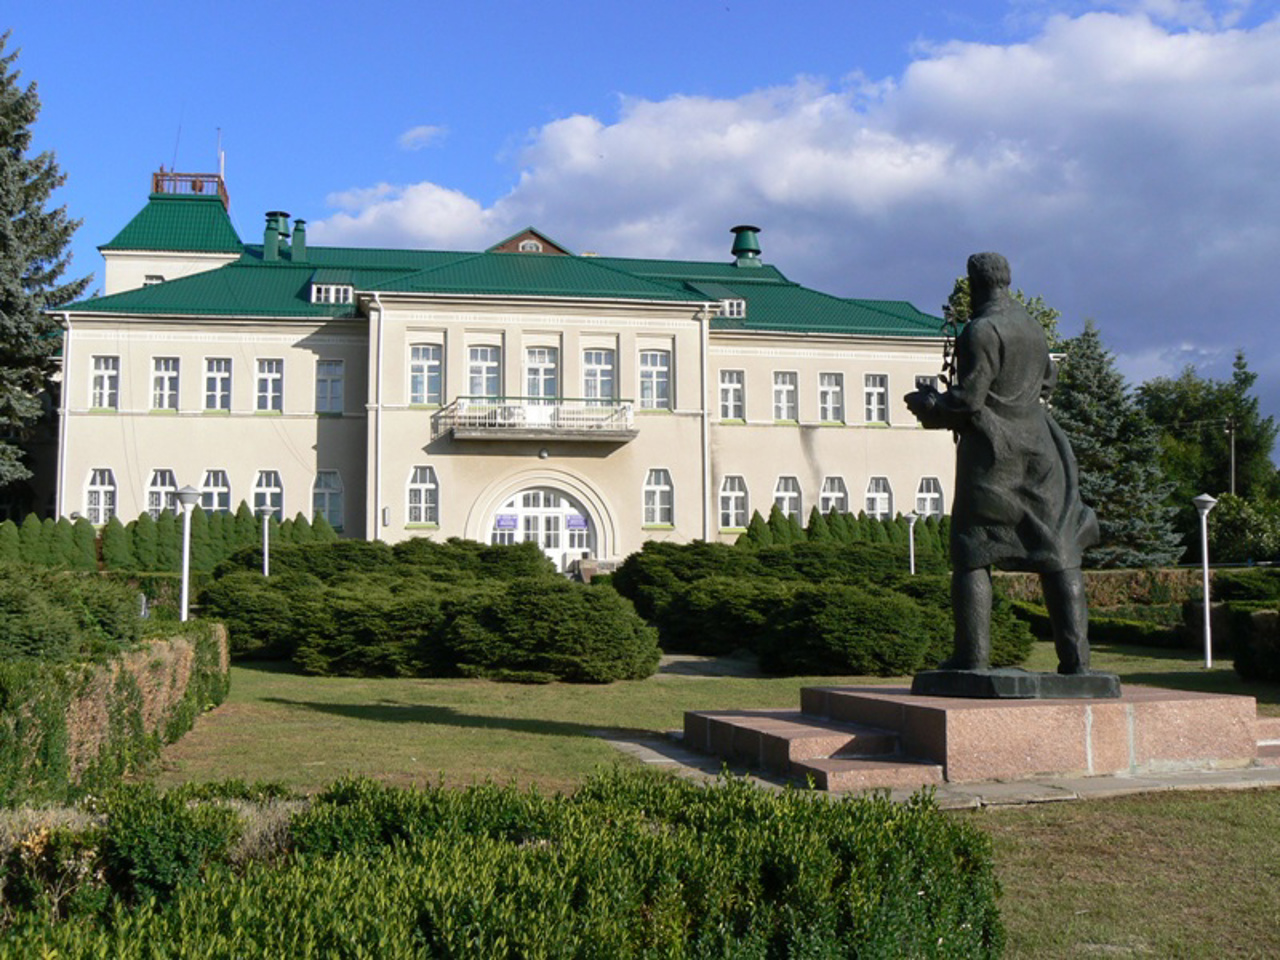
<point>1124,155</point>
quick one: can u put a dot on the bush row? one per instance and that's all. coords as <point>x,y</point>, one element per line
<point>62,616</point>
<point>632,865</point>
<point>808,607</point>
<point>1116,588</point>
<point>779,529</point>
<point>67,727</point>
<point>147,544</point>
<point>1254,630</point>
<point>427,609</point>
<point>1107,628</point>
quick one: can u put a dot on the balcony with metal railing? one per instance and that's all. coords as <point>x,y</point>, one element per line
<point>536,418</point>
<point>190,184</point>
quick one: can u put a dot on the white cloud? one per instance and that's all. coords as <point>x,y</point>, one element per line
<point>1126,161</point>
<point>418,137</point>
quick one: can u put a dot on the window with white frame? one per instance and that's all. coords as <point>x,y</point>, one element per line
<point>329,388</point>
<point>927,380</point>
<point>162,493</point>
<point>733,503</point>
<point>786,495</point>
<point>655,379</point>
<point>217,383</point>
<point>879,499</point>
<point>215,492</point>
<point>929,497</point>
<point>106,383</point>
<point>100,496</point>
<point>784,395</point>
<point>530,246</point>
<point>164,383</point>
<point>831,397</point>
<point>733,309</point>
<point>733,395</point>
<point>659,501</point>
<point>326,498</point>
<point>268,493</point>
<point>597,376</point>
<point>271,385</point>
<point>875,392</point>
<point>484,372</point>
<point>426,374</point>
<point>542,373</point>
<point>337,293</point>
<point>835,496</point>
<point>424,496</point>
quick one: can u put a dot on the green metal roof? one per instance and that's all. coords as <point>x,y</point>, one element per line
<point>179,222</point>
<point>255,287</point>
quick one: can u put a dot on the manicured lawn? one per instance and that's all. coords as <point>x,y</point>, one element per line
<point>1165,875</point>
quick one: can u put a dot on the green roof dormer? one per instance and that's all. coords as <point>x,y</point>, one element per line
<point>179,223</point>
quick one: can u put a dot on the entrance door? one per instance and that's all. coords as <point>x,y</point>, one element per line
<point>553,520</point>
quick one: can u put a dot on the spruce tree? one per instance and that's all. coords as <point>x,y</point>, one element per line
<point>202,557</point>
<point>322,531</point>
<point>1117,449</point>
<point>143,531</point>
<point>168,542</point>
<point>758,533</point>
<point>247,531</point>
<point>33,545</point>
<point>86,545</point>
<point>117,546</point>
<point>62,546</point>
<point>302,529</point>
<point>10,546</point>
<point>818,529</point>
<point>780,526</point>
<point>34,254</point>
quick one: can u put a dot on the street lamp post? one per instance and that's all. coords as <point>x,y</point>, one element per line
<point>911,539</point>
<point>1204,503</point>
<point>187,497</point>
<point>267,513</point>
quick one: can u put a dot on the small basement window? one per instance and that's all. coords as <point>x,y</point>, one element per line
<point>151,279</point>
<point>330,293</point>
<point>735,309</point>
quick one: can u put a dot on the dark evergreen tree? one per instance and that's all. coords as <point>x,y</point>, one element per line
<point>202,555</point>
<point>285,532</point>
<point>818,529</point>
<point>10,545</point>
<point>1117,449</point>
<point>247,531</point>
<point>168,542</point>
<point>86,545</point>
<point>145,543</point>
<point>322,530</point>
<point>62,547</point>
<point>780,526</point>
<point>33,545</point>
<point>958,309</point>
<point>302,529</point>
<point>117,546</point>
<point>34,255</point>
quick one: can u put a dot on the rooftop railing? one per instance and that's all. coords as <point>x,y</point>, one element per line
<point>190,184</point>
<point>508,418</point>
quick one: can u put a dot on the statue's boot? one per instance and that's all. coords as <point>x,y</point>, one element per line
<point>1069,617</point>
<point>971,607</point>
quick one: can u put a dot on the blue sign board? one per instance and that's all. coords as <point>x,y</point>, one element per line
<point>506,522</point>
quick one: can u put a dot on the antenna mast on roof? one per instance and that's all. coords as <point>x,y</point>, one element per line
<point>222,158</point>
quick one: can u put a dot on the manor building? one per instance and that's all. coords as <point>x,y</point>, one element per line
<point>522,392</point>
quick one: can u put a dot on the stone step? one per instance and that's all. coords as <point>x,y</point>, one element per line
<point>1268,730</point>
<point>1269,755</point>
<point>777,739</point>
<point>843,774</point>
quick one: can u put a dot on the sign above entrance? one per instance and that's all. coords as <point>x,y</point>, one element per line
<point>506,522</point>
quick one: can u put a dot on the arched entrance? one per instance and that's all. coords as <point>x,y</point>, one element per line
<point>552,519</point>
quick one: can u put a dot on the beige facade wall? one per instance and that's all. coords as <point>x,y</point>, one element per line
<point>135,433</point>
<point>129,269</point>
<point>382,435</point>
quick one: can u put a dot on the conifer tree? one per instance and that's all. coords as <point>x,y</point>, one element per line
<point>247,531</point>
<point>10,547</point>
<point>86,545</point>
<point>168,542</point>
<point>838,524</point>
<point>758,533</point>
<point>62,547</point>
<point>1118,452</point>
<point>322,531</point>
<point>34,548</point>
<point>117,546</point>
<point>818,528</point>
<point>34,255</point>
<point>145,543</point>
<point>302,529</point>
<point>202,557</point>
<point>780,526</point>
<point>285,532</point>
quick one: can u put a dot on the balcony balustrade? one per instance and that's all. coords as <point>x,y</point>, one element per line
<point>536,418</point>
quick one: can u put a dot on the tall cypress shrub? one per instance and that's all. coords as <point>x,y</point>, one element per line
<point>117,547</point>
<point>85,539</point>
<point>145,555</point>
<point>34,545</point>
<point>168,543</point>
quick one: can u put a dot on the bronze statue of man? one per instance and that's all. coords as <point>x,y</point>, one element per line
<point>1017,501</point>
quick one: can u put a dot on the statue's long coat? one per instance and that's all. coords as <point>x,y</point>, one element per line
<point>1017,501</point>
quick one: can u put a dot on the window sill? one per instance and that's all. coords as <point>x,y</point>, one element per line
<point>101,411</point>
<point>268,413</point>
<point>786,423</point>
<point>163,412</point>
<point>658,526</point>
<point>831,423</point>
<point>424,406</point>
<point>733,529</point>
<point>653,410</point>
<point>733,422</point>
<point>216,413</point>
<point>329,414</point>
<point>422,526</point>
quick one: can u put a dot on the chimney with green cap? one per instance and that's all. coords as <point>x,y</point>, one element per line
<point>746,246</point>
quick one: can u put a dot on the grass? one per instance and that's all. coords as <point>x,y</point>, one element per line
<point>1164,875</point>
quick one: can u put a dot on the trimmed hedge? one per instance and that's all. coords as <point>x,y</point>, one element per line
<point>634,864</point>
<point>1253,584</point>
<point>1255,639</point>
<point>67,728</point>
<point>58,616</point>
<point>1105,628</point>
